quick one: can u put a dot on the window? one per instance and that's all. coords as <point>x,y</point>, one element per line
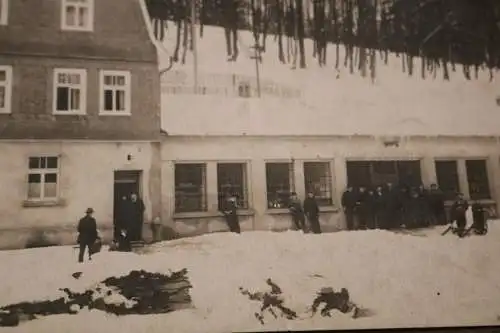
<point>376,173</point>
<point>70,87</point>
<point>232,179</point>
<point>447,178</point>
<point>4,11</point>
<point>5,88</point>
<point>477,177</point>
<point>115,93</point>
<point>280,183</point>
<point>43,178</point>
<point>190,188</point>
<point>77,15</point>
<point>318,180</point>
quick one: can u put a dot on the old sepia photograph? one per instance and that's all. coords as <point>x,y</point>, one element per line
<point>214,166</point>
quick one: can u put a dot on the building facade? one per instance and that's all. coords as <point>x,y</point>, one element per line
<point>79,115</point>
<point>317,129</point>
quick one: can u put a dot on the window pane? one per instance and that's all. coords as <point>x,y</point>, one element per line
<point>190,189</point>
<point>120,100</point>
<point>82,16</point>
<point>2,96</point>
<point>447,178</point>
<point>43,162</point>
<point>74,78</point>
<point>51,178</point>
<point>50,185</point>
<point>120,80</point>
<point>318,180</point>
<point>34,162</point>
<point>52,162</point>
<point>108,100</point>
<point>477,177</point>
<point>62,98</point>
<point>34,190</point>
<point>75,99</point>
<point>70,16</point>
<point>108,80</point>
<point>34,178</point>
<point>279,179</point>
<point>231,180</point>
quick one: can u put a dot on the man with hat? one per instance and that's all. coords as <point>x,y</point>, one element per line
<point>87,233</point>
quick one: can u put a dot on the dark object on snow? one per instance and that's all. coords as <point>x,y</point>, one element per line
<point>333,301</point>
<point>77,275</point>
<point>147,293</point>
<point>270,301</point>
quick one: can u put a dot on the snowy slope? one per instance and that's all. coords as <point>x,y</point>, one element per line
<point>405,280</point>
<point>332,102</point>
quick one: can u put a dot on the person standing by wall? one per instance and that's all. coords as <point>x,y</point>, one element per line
<point>311,209</point>
<point>436,204</point>
<point>458,213</point>
<point>87,234</point>
<point>348,203</point>
<point>137,213</point>
<point>230,211</point>
<point>297,212</point>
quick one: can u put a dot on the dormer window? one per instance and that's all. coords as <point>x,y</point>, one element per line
<point>77,15</point>
<point>244,89</point>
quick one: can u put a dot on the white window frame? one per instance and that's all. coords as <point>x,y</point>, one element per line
<point>7,108</point>
<point>126,88</point>
<point>82,86</point>
<point>90,7</point>
<point>42,172</point>
<point>4,13</point>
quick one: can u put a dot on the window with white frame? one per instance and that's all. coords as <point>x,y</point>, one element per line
<point>43,178</point>
<point>232,180</point>
<point>115,93</point>
<point>447,178</point>
<point>477,178</point>
<point>4,12</point>
<point>190,188</point>
<point>70,87</point>
<point>280,184</point>
<point>77,15</point>
<point>5,88</point>
<point>318,180</point>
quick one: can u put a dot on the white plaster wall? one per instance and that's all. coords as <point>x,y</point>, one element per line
<point>86,180</point>
<point>256,151</point>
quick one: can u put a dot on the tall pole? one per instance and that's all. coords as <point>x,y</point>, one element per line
<point>195,50</point>
<point>257,56</point>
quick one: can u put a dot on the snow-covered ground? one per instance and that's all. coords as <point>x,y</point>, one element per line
<point>405,280</point>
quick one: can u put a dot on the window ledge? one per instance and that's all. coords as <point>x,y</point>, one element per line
<point>115,113</point>
<point>44,203</point>
<point>69,113</point>
<point>281,211</point>
<point>195,215</point>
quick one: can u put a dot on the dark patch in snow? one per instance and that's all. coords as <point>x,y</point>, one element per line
<point>77,275</point>
<point>139,292</point>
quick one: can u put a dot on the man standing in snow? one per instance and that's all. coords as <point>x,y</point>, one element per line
<point>230,211</point>
<point>137,209</point>
<point>392,207</point>
<point>87,233</point>
<point>436,205</point>
<point>458,213</point>
<point>295,208</point>
<point>311,209</point>
<point>348,202</point>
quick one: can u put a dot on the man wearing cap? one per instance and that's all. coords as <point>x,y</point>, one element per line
<point>87,233</point>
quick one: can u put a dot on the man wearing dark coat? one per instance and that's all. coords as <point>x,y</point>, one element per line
<point>393,207</point>
<point>379,207</point>
<point>137,209</point>
<point>311,209</point>
<point>436,205</point>
<point>361,208</point>
<point>87,234</point>
<point>297,212</point>
<point>230,211</point>
<point>458,213</point>
<point>348,202</point>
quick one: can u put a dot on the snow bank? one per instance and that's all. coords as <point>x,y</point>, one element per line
<point>332,102</point>
<point>405,280</point>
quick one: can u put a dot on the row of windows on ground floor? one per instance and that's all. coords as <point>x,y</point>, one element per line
<point>43,181</point>
<point>232,178</point>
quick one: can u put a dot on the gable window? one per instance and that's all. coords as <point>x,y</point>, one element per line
<point>477,177</point>
<point>77,15</point>
<point>318,180</point>
<point>232,180</point>
<point>4,11</point>
<point>280,184</point>
<point>43,178</point>
<point>5,88</point>
<point>190,188</point>
<point>447,178</point>
<point>115,93</point>
<point>70,91</point>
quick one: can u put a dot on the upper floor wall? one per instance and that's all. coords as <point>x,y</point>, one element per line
<point>99,29</point>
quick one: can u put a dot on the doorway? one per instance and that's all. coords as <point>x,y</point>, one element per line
<point>126,182</point>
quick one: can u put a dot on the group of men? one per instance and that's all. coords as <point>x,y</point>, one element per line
<point>309,210</point>
<point>391,207</point>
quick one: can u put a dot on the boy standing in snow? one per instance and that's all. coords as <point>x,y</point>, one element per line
<point>311,209</point>
<point>87,233</point>
<point>230,211</point>
<point>295,208</point>
<point>458,213</point>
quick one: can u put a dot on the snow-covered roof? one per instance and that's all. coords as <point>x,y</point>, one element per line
<point>332,102</point>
